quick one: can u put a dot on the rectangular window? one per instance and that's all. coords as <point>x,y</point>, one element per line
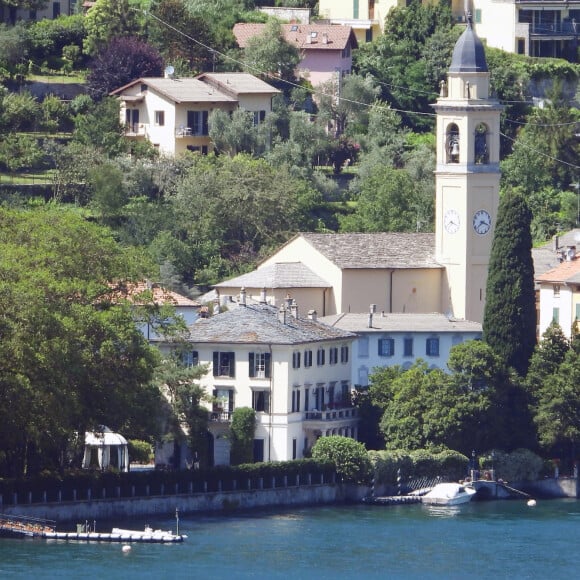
<point>258,450</point>
<point>260,401</point>
<point>224,364</point>
<point>306,399</point>
<point>296,359</point>
<point>556,290</point>
<point>294,446</point>
<point>344,354</point>
<point>344,393</point>
<point>190,358</point>
<point>197,121</point>
<point>293,401</point>
<point>259,363</point>
<point>298,400</point>
<point>333,355</point>
<point>369,35</point>
<point>355,8</point>
<point>55,10</point>
<point>259,117</point>
<point>432,347</point>
<point>223,403</point>
<point>320,357</point>
<point>363,346</point>
<point>386,347</point>
<point>307,358</point>
<point>160,118</point>
<point>556,315</point>
<point>408,347</point>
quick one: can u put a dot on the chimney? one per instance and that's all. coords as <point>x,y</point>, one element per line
<point>312,315</point>
<point>282,314</point>
<point>294,309</point>
<point>325,38</point>
<point>263,296</point>
<point>570,253</point>
<point>370,325</point>
<point>288,302</point>
<point>242,296</point>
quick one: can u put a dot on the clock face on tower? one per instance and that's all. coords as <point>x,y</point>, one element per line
<point>481,222</point>
<point>451,221</point>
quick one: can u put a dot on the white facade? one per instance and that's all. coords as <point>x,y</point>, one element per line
<point>401,339</point>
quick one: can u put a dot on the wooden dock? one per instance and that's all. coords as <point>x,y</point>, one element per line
<point>23,527</point>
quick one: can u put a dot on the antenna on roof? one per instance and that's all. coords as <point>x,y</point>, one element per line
<point>169,72</point>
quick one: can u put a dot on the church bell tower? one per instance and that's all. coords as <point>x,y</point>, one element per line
<point>467,178</point>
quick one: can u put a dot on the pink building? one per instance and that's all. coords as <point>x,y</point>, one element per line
<point>326,49</point>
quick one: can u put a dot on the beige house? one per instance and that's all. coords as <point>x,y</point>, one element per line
<point>173,113</point>
<point>367,17</point>
<point>53,9</point>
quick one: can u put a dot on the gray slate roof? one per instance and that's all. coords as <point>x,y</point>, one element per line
<point>545,256</point>
<point>279,275</point>
<point>399,322</point>
<point>259,324</point>
<point>468,54</point>
<point>376,251</point>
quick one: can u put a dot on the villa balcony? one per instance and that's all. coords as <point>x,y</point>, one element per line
<point>220,416</point>
<point>555,30</point>
<point>135,130</point>
<point>331,413</point>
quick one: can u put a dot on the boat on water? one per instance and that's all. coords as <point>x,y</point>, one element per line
<point>449,494</point>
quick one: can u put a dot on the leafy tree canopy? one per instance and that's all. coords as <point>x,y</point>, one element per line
<point>349,456</point>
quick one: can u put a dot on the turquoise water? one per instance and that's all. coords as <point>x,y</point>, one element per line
<point>502,539</point>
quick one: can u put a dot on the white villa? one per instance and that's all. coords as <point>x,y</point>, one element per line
<point>173,113</point>
<point>292,370</point>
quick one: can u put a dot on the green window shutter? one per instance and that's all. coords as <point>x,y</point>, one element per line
<point>252,366</point>
<point>267,364</point>
<point>355,8</point>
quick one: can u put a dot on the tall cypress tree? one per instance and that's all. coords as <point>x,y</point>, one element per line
<point>509,322</point>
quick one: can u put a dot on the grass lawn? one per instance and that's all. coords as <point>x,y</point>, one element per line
<point>75,77</point>
<point>26,178</point>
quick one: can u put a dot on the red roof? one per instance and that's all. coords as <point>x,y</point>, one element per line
<point>566,272</point>
<point>303,36</point>
<point>159,294</point>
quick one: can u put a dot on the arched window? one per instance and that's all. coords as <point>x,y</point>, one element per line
<point>452,144</point>
<point>481,151</point>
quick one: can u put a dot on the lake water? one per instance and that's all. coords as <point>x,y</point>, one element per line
<point>501,539</point>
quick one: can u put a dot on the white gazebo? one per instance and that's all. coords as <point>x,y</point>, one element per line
<point>104,449</point>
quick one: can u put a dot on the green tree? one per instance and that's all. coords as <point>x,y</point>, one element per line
<point>235,133</point>
<point>242,430</point>
<point>108,19</point>
<point>71,356</point>
<point>18,152</point>
<point>13,50</point>
<point>509,324</point>
<point>269,54</point>
<point>349,457</point>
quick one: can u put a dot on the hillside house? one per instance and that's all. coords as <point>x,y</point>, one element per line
<point>173,113</point>
<point>325,50</point>
<point>54,9</point>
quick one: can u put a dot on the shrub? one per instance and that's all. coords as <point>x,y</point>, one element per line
<point>242,432</point>
<point>140,451</point>
<point>350,457</point>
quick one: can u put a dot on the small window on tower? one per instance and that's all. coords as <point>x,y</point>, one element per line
<point>480,145</point>
<point>452,144</point>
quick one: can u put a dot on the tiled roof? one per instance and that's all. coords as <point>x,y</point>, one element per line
<point>238,83</point>
<point>303,36</point>
<point>567,272</point>
<point>380,250</point>
<point>399,322</point>
<point>279,275</point>
<point>160,295</point>
<point>181,90</point>
<point>259,324</point>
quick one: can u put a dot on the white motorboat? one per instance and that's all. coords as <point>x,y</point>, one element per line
<point>449,494</point>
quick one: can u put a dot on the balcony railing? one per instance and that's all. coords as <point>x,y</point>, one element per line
<point>331,414</point>
<point>569,29</point>
<point>220,416</point>
<point>135,129</point>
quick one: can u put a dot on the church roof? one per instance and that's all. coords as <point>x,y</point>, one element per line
<point>468,54</point>
<point>376,250</point>
<point>279,275</point>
